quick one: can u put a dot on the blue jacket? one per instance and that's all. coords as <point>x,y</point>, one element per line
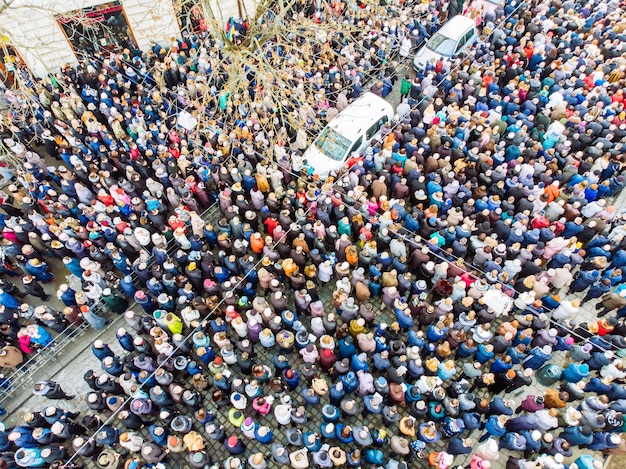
<point>110,436</point>
<point>596,385</point>
<point>434,334</point>
<point>345,440</point>
<point>575,372</point>
<point>499,407</point>
<point>471,420</point>
<point>263,439</point>
<point>102,353</point>
<point>127,286</point>
<point>381,363</point>
<point>536,358</point>
<point>350,381</point>
<point>597,361</point>
<point>456,446</point>
<point>404,320</point>
<point>126,342</point>
<point>523,422</point>
<point>464,351</point>
<point>374,456</point>
<point>513,441</point>
<point>310,399</point>
<point>158,439</point>
<point>5,444</point>
<point>415,340</point>
<point>25,438</point>
<point>483,355</point>
<point>493,427</point>
<point>601,441</point>
<point>116,368</point>
<point>69,297</point>
<point>616,392</point>
<point>575,436</point>
<point>499,366</point>
<point>572,229</point>
<point>619,259</point>
<point>346,348</point>
<point>585,461</point>
<point>516,355</point>
<point>358,363</point>
<point>8,301</point>
<point>584,279</point>
<point>531,444</point>
<point>336,395</point>
<point>293,381</point>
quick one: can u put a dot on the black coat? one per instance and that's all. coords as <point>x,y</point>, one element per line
<point>33,288</point>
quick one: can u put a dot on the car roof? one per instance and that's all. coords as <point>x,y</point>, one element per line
<point>361,114</point>
<point>456,25</point>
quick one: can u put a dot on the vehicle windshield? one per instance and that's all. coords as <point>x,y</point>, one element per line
<point>332,144</point>
<point>441,45</point>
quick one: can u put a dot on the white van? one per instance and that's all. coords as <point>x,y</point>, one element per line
<point>349,132</point>
<point>453,38</point>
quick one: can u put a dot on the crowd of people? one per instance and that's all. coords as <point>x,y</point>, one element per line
<point>338,323</point>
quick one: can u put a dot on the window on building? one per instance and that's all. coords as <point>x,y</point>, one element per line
<point>190,14</point>
<point>100,28</point>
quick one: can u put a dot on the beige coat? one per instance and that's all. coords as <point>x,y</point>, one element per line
<point>613,301</point>
<point>10,357</point>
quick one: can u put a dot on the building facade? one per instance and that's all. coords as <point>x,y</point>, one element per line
<point>44,35</point>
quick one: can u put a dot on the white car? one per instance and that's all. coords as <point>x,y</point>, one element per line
<point>453,39</point>
<point>350,132</point>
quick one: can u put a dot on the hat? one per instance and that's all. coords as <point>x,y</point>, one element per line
<point>57,427</point>
<point>615,439</point>
<point>248,424</point>
<point>420,195</point>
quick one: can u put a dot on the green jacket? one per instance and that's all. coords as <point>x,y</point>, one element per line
<point>405,87</point>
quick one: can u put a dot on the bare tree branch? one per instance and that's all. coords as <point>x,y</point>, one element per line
<point>5,4</point>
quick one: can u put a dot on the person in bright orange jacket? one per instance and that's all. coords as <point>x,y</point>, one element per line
<point>552,191</point>
<point>257,243</point>
<point>352,255</point>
